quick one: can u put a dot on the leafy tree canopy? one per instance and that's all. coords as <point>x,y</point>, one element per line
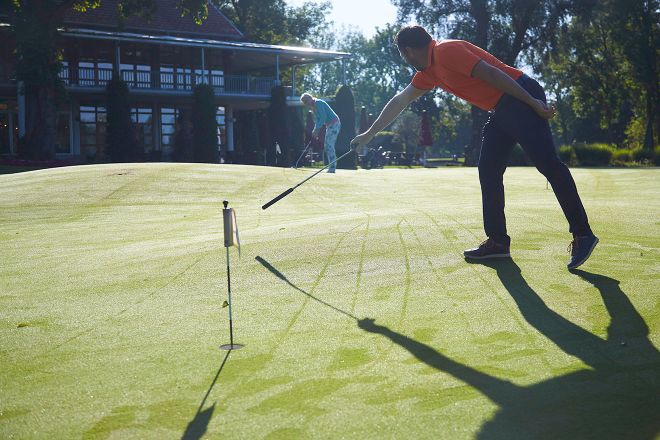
<point>272,21</point>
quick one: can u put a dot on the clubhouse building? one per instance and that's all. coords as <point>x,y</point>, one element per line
<point>161,59</point>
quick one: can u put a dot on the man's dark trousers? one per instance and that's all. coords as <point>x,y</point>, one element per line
<point>514,121</point>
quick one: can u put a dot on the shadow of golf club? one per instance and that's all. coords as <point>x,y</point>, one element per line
<point>616,398</point>
<point>199,424</point>
<point>281,276</point>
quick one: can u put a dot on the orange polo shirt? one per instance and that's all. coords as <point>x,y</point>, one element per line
<point>450,64</point>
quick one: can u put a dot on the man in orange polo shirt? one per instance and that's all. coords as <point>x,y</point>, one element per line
<point>519,113</point>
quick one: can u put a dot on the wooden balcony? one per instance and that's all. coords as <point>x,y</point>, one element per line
<point>182,80</point>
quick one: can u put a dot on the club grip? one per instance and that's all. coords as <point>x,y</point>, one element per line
<point>281,196</point>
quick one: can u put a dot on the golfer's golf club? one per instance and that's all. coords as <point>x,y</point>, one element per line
<point>303,153</point>
<point>290,190</point>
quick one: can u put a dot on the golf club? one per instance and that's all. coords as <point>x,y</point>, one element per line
<point>303,153</point>
<point>290,190</point>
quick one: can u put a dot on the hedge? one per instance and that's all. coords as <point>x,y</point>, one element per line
<point>593,154</point>
<point>567,155</point>
<point>622,155</point>
<point>604,154</point>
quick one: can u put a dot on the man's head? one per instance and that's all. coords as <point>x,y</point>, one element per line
<point>307,100</point>
<point>413,42</point>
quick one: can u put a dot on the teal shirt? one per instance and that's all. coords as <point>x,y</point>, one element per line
<point>324,114</point>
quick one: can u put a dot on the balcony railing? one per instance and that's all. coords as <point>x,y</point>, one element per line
<point>171,80</point>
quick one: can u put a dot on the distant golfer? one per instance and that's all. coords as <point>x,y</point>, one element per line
<point>519,113</point>
<point>324,115</point>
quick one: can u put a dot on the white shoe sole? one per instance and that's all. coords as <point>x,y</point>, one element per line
<point>593,246</point>
<point>485,257</point>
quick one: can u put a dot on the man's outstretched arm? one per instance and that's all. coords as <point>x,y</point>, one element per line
<point>501,81</point>
<point>392,109</point>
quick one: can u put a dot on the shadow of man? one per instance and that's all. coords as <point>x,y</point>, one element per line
<point>618,397</point>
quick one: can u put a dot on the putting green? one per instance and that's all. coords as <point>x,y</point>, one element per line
<point>113,276</point>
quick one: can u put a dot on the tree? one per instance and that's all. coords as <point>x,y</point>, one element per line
<point>205,125</point>
<point>636,27</point>
<point>280,129</point>
<point>345,109</point>
<point>272,21</point>
<point>183,138</point>
<point>407,128</point>
<point>297,137</point>
<point>505,28</point>
<point>376,72</point>
<point>121,142</point>
<point>602,70</point>
<point>35,24</point>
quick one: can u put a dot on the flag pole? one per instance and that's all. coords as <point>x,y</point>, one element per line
<point>231,323</point>
<point>228,223</point>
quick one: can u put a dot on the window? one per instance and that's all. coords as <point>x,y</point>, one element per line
<point>93,123</point>
<point>168,121</point>
<point>143,119</point>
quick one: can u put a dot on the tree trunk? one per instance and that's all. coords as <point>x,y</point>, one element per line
<point>650,121</point>
<point>40,123</point>
<point>652,96</point>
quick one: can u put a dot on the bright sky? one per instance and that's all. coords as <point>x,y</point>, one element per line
<point>363,15</point>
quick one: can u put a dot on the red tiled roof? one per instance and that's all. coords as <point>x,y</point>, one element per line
<point>165,20</point>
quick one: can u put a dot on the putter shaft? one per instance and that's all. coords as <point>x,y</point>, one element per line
<point>290,190</point>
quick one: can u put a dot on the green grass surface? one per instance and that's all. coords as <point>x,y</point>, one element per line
<point>112,279</point>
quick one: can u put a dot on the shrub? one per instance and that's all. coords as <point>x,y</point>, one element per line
<point>593,154</point>
<point>518,157</point>
<point>622,155</point>
<point>567,155</point>
<point>656,156</point>
<point>643,155</point>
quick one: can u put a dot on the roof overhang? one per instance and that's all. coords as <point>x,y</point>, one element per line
<point>253,56</point>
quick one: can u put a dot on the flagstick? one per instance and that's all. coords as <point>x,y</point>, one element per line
<point>231,325</point>
<point>226,212</point>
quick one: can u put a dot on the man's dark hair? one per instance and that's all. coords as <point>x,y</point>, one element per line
<point>412,36</point>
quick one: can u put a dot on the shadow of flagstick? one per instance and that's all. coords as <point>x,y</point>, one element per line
<point>198,425</point>
<point>281,276</point>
